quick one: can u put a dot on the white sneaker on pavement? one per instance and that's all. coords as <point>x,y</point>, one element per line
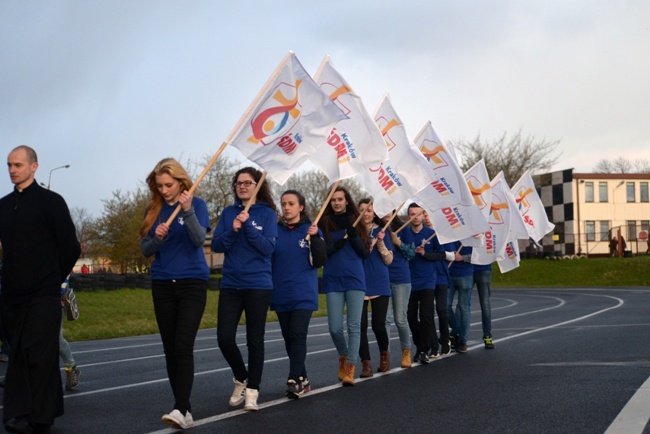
<point>251,400</point>
<point>176,419</point>
<point>238,394</point>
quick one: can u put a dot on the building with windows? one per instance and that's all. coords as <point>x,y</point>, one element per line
<point>589,210</point>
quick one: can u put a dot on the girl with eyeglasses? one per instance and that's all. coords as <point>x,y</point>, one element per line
<point>179,276</point>
<point>247,240</point>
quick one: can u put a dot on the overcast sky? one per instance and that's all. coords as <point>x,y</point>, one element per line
<point>112,87</point>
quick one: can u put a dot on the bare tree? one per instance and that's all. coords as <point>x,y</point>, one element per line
<point>83,222</point>
<point>622,165</point>
<point>514,155</point>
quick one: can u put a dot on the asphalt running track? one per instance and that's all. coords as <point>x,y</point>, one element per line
<point>566,360</point>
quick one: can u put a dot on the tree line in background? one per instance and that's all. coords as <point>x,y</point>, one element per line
<point>114,234</point>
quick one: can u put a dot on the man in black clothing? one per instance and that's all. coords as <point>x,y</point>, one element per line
<point>40,248</point>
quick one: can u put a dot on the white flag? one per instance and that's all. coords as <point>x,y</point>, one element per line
<point>447,198</point>
<point>355,143</point>
<point>478,182</point>
<point>393,182</point>
<point>499,221</point>
<point>511,257</point>
<point>531,208</point>
<point>287,122</point>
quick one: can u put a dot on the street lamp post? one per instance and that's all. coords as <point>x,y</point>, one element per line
<point>49,180</point>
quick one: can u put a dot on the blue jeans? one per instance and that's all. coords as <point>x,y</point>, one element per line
<point>64,347</point>
<point>295,325</point>
<point>179,306</point>
<point>483,281</point>
<point>232,302</point>
<point>400,299</point>
<point>353,299</point>
<point>460,324</point>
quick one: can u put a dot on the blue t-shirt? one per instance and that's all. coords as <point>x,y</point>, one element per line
<point>295,281</point>
<point>344,268</point>
<point>376,272</point>
<point>247,253</point>
<point>178,257</point>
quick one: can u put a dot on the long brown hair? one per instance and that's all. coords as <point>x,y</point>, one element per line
<point>327,225</point>
<point>263,195</point>
<point>172,168</point>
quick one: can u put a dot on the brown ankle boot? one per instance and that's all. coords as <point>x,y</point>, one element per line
<point>406,358</point>
<point>367,369</point>
<point>384,361</point>
<point>343,360</point>
<point>348,380</point>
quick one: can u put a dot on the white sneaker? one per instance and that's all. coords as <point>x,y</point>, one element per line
<point>251,400</point>
<point>188,420</point>
<point>238,393</point>
<point>176,419</point>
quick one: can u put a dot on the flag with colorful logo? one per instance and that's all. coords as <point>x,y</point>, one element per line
<point>531,208</point>
<point>510,259</point>
<point>394,181</point>
<point>287,122</point>
<point>499,220</point>
<point>354,144</point>
<point>478,182</point>
<point>447,198</point>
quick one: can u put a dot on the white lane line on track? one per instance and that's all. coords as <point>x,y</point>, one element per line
<point>230,414</point>
<point>635,415</point>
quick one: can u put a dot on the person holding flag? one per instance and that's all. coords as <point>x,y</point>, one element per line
<point>299,252</point>
<point>400,283</point>
<point>377,290</point>
<point>421,308</point>
<point>344,281</point>
<point>246,233</point>
<point>179,276</point>
<point>461,282</point>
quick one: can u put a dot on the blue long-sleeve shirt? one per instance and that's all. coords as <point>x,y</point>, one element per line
<point>247,253</point>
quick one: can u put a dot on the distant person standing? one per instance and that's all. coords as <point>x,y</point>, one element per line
<point>40,248</point>
<point>179,276</point>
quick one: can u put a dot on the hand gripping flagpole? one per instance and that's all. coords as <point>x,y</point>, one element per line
<point>236,129</point>
<point>322,208</point>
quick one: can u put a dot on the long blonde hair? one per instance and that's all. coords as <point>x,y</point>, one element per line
<point>172,168</point>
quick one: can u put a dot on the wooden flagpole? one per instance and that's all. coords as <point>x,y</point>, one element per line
<point>235,130</point>
<point>457,251</point>
<point>322,208</point>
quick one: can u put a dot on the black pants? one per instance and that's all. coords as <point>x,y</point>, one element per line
<point>179,306</point>
<point>420,317</point>
<point>379,310</point>
<point>441,311</point>
<point>232,302</point>
<point>33,386</point>
<point>295,326</point>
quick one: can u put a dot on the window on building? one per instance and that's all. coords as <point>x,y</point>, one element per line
<point>631,193</point>
<point>602,191</point>
<point>589,191</point>
<point>645,225</point>
<point>604,230</point>
<point>590,228</point>
<point>631,230</point>
<point>643,192</point>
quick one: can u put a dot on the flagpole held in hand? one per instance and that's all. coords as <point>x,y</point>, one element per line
<point>458,252</point>
<point>322,208</point>
<point>198,180</point>
<point>251,201</point>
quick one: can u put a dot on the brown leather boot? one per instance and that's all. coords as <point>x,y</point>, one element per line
<point>384,361</point>
<point>406,358</point>
<point>366,372</point>
<point>348,380</point>
<point>343,360</point>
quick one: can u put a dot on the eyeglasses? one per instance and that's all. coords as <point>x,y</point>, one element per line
<point>244,184</point>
